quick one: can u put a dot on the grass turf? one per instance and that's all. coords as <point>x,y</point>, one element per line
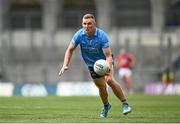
<point>86,109</point>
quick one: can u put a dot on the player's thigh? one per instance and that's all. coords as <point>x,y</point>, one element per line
<point>99,82</point>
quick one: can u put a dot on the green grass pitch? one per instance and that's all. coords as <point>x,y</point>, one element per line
<point>86,109</point>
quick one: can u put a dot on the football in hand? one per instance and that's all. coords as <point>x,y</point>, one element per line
<point>101,67</point>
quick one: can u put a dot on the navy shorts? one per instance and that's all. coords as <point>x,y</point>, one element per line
<point>93,74</point>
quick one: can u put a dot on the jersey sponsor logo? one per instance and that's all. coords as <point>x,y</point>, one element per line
<point>92,46</point>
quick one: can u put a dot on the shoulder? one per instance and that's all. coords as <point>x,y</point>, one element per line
<point>79,32</point>
<point>77,35</point>
<point>101,34</point>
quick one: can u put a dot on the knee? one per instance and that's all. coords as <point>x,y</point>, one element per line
<point>110,81</point>
<point>102,86</point>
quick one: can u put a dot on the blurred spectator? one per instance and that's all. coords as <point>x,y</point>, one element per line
<point>125,62</point>
<point>167,78</point>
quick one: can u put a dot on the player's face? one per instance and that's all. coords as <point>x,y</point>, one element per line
<point>89,26</point>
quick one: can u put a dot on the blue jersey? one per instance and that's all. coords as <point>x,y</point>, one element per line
<point>91,46</point>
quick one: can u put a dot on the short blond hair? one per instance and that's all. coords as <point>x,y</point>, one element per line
<point>87,16</point>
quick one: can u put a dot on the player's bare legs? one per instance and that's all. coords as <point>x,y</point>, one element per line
<point>116,88</point>
<point>119,93</point>
<point>128,84</point>
<point>100,83</point>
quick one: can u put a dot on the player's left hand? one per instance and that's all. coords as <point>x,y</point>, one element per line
<point>64,68</point>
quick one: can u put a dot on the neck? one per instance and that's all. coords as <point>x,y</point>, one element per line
<point>91,33</point>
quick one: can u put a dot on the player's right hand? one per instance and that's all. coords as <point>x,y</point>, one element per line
<point>64,68</point>
<point>108,72</point>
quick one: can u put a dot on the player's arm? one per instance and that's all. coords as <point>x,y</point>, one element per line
<point>108,55</point>
<point>67,58</point>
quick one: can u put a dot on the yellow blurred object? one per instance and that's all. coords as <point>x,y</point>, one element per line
<point>167,77</point>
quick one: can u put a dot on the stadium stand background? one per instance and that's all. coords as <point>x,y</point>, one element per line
<point>35,33</point>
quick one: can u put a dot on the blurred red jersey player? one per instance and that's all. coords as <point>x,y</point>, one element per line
<point>125,62</point>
